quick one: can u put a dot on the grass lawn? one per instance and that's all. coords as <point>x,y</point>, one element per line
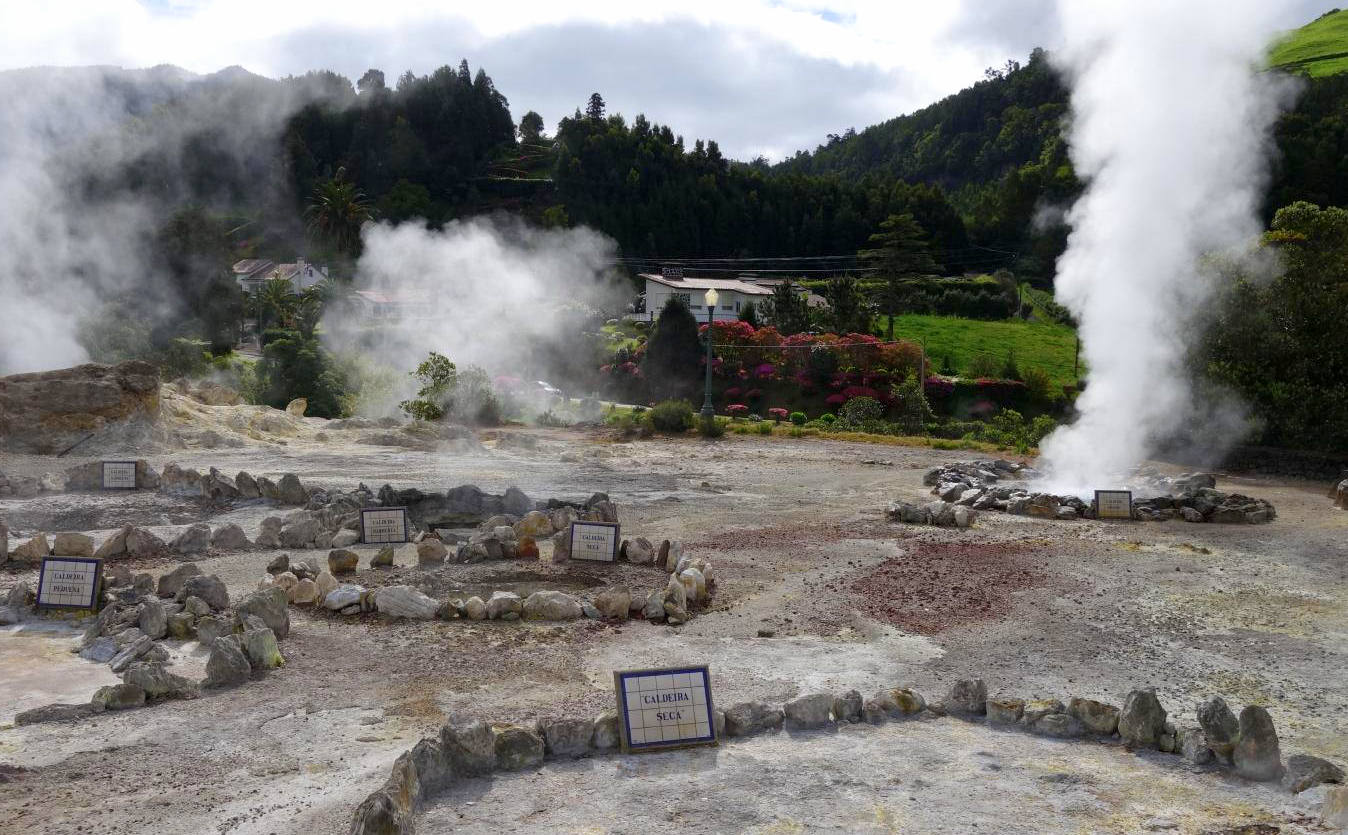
<point>1320,47</point>
<point>1036,344</point>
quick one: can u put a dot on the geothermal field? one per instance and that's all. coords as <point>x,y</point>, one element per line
<point>257,667</point>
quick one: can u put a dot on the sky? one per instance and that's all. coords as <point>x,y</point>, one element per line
<point>762,77</point>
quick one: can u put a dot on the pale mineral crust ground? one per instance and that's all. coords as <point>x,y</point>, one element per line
<point>796,530</point>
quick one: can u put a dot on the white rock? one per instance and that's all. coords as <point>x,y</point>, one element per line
<point>343,596</point>
<point>551,605</point>
<point>404,602</point>
<point>504,604</point>
<point>326,584</point>
<point>694,584</point>
<point>345,539</point>
<point>474,608</point>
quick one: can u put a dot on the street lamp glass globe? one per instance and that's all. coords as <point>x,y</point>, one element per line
<point>711,297</point>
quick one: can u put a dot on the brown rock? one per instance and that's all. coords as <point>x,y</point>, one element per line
<point>49,411</point>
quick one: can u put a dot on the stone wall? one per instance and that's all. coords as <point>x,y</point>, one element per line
<point>46,412</point>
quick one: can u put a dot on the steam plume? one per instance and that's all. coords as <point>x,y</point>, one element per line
<point>1170,126</point>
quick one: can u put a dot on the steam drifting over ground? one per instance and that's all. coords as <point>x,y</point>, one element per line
<point>494,293</point>
<point>1170,129</point>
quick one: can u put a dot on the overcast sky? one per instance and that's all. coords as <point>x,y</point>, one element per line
<point>759,76</point>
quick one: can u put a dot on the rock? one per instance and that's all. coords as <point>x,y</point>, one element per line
<point>534,524</point>
<point>907,702</point>
<point>343,596</point>
<point>159,683</point>
<point>474,608</point>
<point>964,516</point>
<point>469,747</point>
<point>516,503</point>
<point>141,543</point>
<point>1192,745</point>
<point>654,609</point>
<point>114,546</point>
<point>47,412</point>
<point>230,538</point>
<point>847,707</point>
<point>326,583</point>
<point>299,530</point>
<point>1334,810</point>
<point>345,538</point>
<point>246,486</point>
<point>561,546</point>
<point>118,697</point>
<point>1036,709</point>
<point>566,737</point>
<point>296,407</point>
<point>1256,755</point>
<point>270,606</point>
<point>968,697</point>
<point>1142,720</point>
<point>210,588</point>
<point>260,647</point>
<point>72,545</point>
<point>227,665</point>
<point>517,748</point>
<point>289,490</point>
<point>605,735</point>
<point>194,540</point>
<point>603,511</point>
<point>100,650</point>
<point>55,713</point>
<point>748,718</point>
<point>405,602</point>
<point>34,550</point>
<point>551,605</point>
<point>908,513</point>
<point>504,605</point>
<point>1058,725</point>
<point>19,596</point>
<point>131,653</point>
<point>286,580</point>
<point>304,593</point>
<point>639,551</point>
<point>1004,711</point>
<point>813,710</point>
<point>1189,514</point>
<point>431,552</point>
<point>153,619</point>
<point>1304,772</point>
<point>1220,727</point>
<point>384,559</point>
<point>1097,717</point>
<point>172,583</point>
<point>181,625</point>
<point>342,561</point>
<point>614,602</point>
<point>694,585</point>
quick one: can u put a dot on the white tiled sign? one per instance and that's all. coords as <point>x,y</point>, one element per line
<point>119,475</point>
<point>595,541</point>
<point>384,525</point>
<point>1113,504</point>
<point>68,582</point>
<point>664,708</point>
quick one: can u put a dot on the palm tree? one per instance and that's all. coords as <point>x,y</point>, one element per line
<point>308,309</point>
<point>337,213</point>
<point>275,303</point>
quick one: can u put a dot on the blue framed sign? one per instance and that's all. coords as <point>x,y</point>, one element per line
<point>670,708</point>
<point>384,525</point>
<point>69,583</point>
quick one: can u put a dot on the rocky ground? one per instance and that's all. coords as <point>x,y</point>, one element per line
<point>816,590</point>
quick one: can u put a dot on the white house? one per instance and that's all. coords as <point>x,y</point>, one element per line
<point>251,273</point>
<point>733,295</point>
<point>385,304</point>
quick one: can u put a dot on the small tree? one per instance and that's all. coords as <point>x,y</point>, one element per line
<point>847,310</point>
<point>912,411</point>
<point>531,127</point>
<point>594,110</point>
<point>673,351</point>
<point>438,377</point>
<point>898,251</point>
<point>749,314</point>
<point>787,310</point>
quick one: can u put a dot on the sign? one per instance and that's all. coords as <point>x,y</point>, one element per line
<point>119,475</point>
<point>383,525</point>
<point>664,708</point>
<point>1113,504</point>
<point>672,273</point>
<point>69,583</point>
<point>594,541</point>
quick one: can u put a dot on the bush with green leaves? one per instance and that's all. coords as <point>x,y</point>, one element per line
<point>860,412</point>
<point>798,418</point>
<point>672,416</point>
<point>985,367</point>
<point>295,366</point>
<point>913,412</point>
<point>712,427</point>
<point>438,377</point>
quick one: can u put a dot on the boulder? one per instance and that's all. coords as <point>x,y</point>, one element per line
<point>131,652</point>
<point>535,524</point>
<point>72,545</point>
<point>230,538</point>
<point>100,650</point>
<point>47,412</point>
<point>34,550</point>
<point>517,748</point>
<point>469,747</point>
<point>1005,711</point>
<point>114,546</point>
<point>299,531</point>
<point>153,620</point>
<point>172,583</point>
<point>404,602</point>
<point>260,647</point>
<point>968,697</point>
<point>343,596</point>
<point>181,625</point>
<point>270,606</point>
<point>748,718</point>
<point>297,407</point>
<point>209,588</point>
<point>1058,725</point>
<point>1220,727</point>
<point>812,710</point>
<point>603,511</point>
<point>158,683</point>
<point>1142,720</point>
<point>1256,755</point>
<point>384,559</point>
<point>605,735</point>
<point>1304,772</point>
<point>561,546</point>
<point>516,503</point>
<point>431,552</point>
<point>566,737</point>
<point>342,561</point>
<point>474,608</point>
<point>551,605</point>
<point>325,583</point>
<point>195,539</point>
<point>614,602</point>
<point>504,605</point>
<point>345,538</point>
<point>141,543</point>
<point>654,609</point>
<point>211,627</point>
<point>289,490</point>
<point>1097,717</point>
<point>246,486</point>
<point>227,664</point>
<point>847,707</point>
<point>1192,745</point>
<point>639,551</point>
<point>118,697</point>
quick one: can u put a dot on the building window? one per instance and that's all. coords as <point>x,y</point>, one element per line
<point>695,307</point>
<point>729,306</point>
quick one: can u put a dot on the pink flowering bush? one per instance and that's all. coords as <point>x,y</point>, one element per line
<point>777,414</point>
<point>737,410</point>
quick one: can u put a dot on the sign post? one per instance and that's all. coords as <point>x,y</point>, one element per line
<point>1114,504</point>
<point>383,525</point>
<point>594,541</point>
<point>660,709</point>
<point>69,583</point>
<point>119,475</point>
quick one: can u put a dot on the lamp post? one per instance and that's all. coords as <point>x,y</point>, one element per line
<point>709,413</point>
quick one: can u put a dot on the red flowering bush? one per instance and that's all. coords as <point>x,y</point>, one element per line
<point>777,414</point>
<point>737,410</point>
<point>835,399</point>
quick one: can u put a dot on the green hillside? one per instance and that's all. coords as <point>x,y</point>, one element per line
<point>1319,48</point>
<point>1045,345</point>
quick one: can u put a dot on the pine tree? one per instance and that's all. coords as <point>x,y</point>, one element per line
<point>900,250</point>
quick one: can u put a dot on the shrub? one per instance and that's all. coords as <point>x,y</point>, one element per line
<point>1038,387</point>
<point>1011,371</point>
<point>711,427</point>
<point>737,410</point>
<point>827,418</point>
<point>984,366</point>
<point>914,412</point>
<point>673,416</point>
<point>765,427</point>
<point>798,418</point>
<point>777,414</point>
<point>861,410</point>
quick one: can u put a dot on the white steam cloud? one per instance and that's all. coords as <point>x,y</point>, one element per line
<point>496,293</point>
<point>1170,130</point>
